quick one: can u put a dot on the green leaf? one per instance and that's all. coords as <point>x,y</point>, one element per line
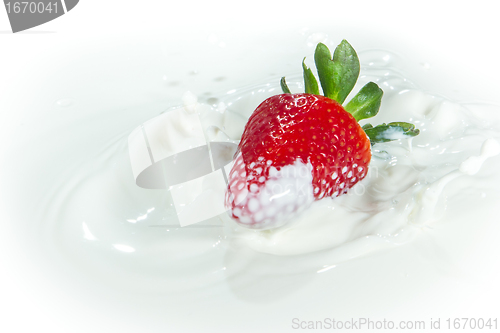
<point>324,66</point>
<point>284,87</point>
<point>338,75</point>
<point>366,103</point>
<point>346,70</point>
<point>390,132</point>
<point>310,82</point>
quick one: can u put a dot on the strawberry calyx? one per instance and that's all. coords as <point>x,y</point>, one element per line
<point>337,77</point>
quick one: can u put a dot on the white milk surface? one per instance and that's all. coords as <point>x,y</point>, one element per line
<point>404,238</point>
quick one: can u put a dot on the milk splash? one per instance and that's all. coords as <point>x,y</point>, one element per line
<point>101,212</point>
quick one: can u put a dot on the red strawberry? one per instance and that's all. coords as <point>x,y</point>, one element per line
<point>297,148</point>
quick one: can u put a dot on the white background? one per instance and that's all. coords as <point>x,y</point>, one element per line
<point>457,38</point>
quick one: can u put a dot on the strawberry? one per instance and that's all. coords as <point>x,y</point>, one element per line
<point>298,148</point>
